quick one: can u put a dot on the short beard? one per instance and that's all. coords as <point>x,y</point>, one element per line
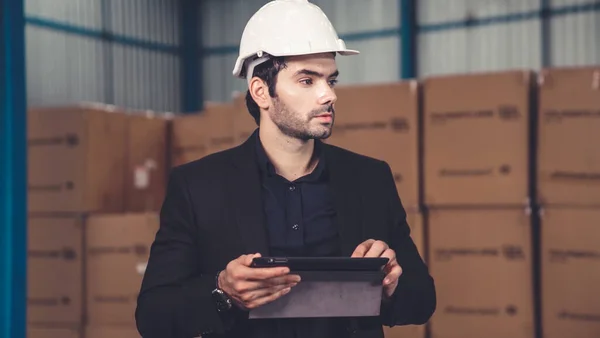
<point>291,125</point>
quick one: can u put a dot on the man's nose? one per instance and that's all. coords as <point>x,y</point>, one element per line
<point>327,95</point>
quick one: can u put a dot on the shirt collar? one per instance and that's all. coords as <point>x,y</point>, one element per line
<point>267,168</point>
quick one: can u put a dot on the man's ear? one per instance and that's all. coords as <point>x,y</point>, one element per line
<point>260,92</point>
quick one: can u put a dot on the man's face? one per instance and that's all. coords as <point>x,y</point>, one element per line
<point>303,108</point>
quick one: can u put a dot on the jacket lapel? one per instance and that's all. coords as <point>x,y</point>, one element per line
<point>245,192</point>
<point>346,198</point>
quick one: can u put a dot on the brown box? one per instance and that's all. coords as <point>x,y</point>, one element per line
<point>55,270</point>
<point>243,123</point>
<point>117,248</point>
<point>47,332</point>
<point>571,272</point>
<point>105,331</point>
<point>569,121</point>
<point>197,135</point>
<point>381,121</point>
<point>404,331</point>
<point>75,160</point>
<point>481,261</point>
<point>476,144</point>
<point>146,163</point>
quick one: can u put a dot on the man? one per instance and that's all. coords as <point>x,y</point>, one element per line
<point>282,192</point>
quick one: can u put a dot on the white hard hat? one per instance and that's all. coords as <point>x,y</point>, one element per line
<point>284,28</point>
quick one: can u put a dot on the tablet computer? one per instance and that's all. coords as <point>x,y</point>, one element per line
<point>322,263</point>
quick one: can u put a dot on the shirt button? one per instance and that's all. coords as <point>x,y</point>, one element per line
<point>292,187</point>
<point>295,226</point>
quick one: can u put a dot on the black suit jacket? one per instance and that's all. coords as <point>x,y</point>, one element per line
<point>213,213</point>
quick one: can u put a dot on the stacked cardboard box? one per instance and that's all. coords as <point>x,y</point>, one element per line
<point>86,163</point>
<point>381,121</point>
<point>568,176</point>
<point>476,167</point>
<point>194,136</point>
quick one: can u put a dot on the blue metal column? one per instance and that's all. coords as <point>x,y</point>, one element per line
<point>545,18</point>
<point>408,38</point>
<point>191,63</point>
<point>13,171</point>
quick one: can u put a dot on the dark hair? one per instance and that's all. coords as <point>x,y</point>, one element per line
<point>266,71</point>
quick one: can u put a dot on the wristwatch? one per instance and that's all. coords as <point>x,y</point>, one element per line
<point>222,300</point>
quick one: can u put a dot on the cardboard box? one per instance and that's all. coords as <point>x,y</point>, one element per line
<point>38,332</point>
<point>197,135</point>
<point>55,270</point>
<point>482,263</point>
<point>569,121</point>
<point>111,332</point>
<point>381,121</point>
<point>243,123</point>
<point>476,144</point>
<point>75,160</point>
<point>405,331</point>
<point>146,163</point>
<point>570,272</point>
<point>117,247</point>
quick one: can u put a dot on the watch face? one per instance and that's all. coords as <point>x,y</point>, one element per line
<point>223,302</point>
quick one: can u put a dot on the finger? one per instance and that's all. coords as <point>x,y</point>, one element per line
<point>393,276</point>
<point>268,299</point>
<point>259,274</point>
<point>376,249</point>
<point>391,256</point>
<point>246,260</point>
<point>362,248</point>
<point>248,286</point>
<point>256,295</point>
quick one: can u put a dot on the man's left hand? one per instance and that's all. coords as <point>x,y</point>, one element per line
<point>374,248</point>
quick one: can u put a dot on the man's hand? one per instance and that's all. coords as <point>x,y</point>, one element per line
<point>250,287</point>
<point>373,248</point>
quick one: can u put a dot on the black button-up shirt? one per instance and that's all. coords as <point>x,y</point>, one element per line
<point>300,219</point>
<point>300,214</point>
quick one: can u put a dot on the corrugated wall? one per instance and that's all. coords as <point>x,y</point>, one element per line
<point>453,36</point>
<point>575,32</point>
<point>462,36</point>
<point>110,51</point>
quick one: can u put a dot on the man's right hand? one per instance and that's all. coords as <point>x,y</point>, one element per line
<point>250,287</point>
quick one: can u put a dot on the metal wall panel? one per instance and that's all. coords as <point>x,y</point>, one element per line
<point>223,21</point>
<point>148,20</point>
<point>146,79</point>
<point>575,39</point>
<point>357,16</point>
<point>82,13</point>
<point>219,83</point>
<point>63,68</point>
<point>484,48</point>
<point>562,3</point>
<point>378,61</point>
<point>70,60</point>
<point>438,11</point>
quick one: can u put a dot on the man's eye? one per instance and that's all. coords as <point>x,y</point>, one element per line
<point>306,81</point>
<point>333,82</point>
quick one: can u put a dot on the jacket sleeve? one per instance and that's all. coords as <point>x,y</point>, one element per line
<point>175,298</point>
<point>414,300</point>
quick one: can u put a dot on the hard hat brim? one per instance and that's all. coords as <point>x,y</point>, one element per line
<point>239,64</point>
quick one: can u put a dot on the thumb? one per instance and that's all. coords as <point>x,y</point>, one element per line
<point>248,259</point>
